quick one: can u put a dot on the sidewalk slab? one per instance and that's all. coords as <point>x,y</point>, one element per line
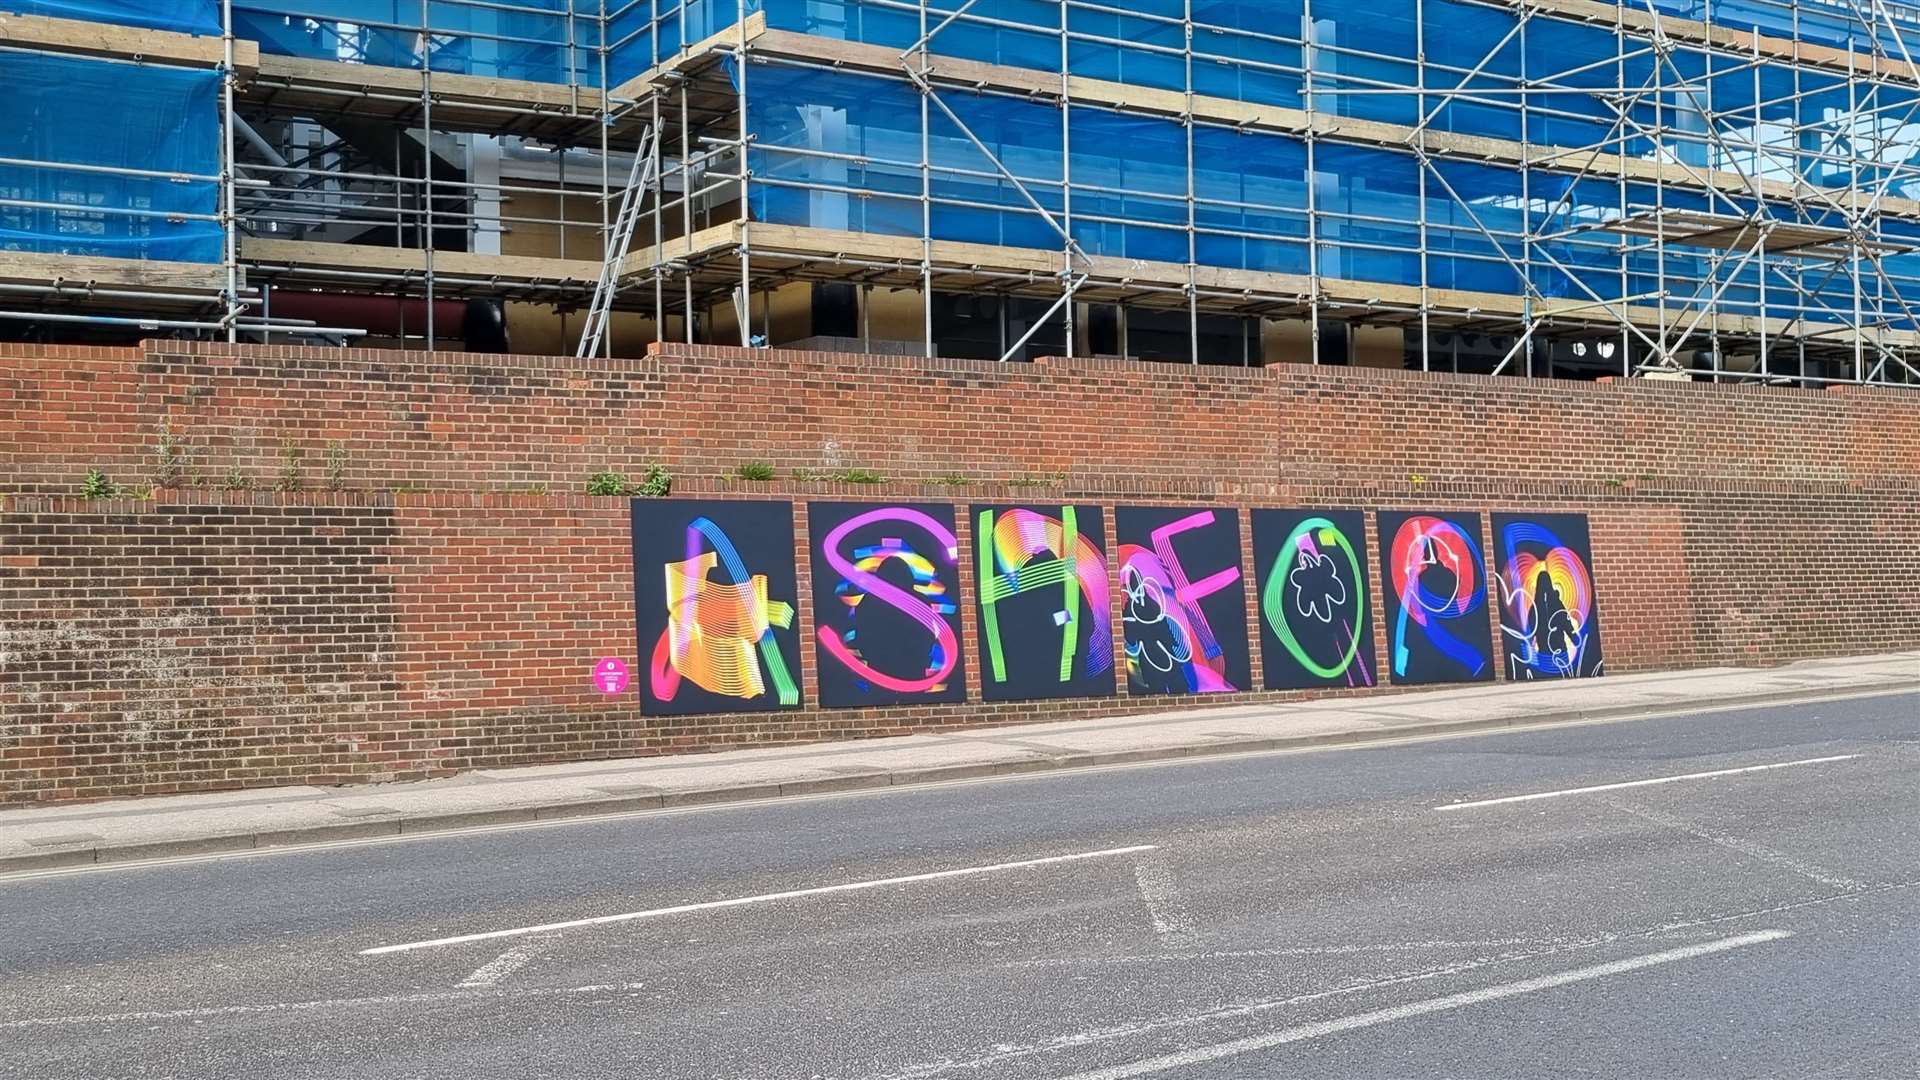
<point>81,834</point>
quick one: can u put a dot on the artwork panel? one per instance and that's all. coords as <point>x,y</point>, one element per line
<point>1549,613</point>
<point>1041,599</point>
<point>1431,580</point>
<point>714,593</point>
<point>886,603</point>
<point>1314,599</point>
<point>1182,599</point>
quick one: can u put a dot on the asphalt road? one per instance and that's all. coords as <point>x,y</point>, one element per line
<point>1344,913</point>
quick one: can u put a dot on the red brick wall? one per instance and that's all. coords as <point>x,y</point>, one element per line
<point>215,638</point>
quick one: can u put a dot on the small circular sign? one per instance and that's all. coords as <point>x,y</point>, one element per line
<point>611,675</point>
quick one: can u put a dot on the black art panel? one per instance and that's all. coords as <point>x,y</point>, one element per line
<point>1316,605</point>
<point>1040,591</point>
<point>714,592</point>
<point>1549,617</point>
<point>1183,605</point>
<point>886,603</point>
<point>1430,577</point>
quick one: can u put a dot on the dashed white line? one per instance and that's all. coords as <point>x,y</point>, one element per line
<point>764,898</point>
<point>1172,923</point>
<point>1740,846</point>
<point>1202,1054</point>
<point>1563,792</point>
<point>496,970</point>
<point>383,1000</point>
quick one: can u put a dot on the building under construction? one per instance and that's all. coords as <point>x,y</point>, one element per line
<point>1717,190</point>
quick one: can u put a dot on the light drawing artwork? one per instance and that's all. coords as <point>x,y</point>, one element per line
<point>1433,573</point>
<point>1182,635</point>
<point>1549,618</point>
<point>1315,605</point>
<point>1041,598</point>
<point>713,584</point>
<point>886,603</point>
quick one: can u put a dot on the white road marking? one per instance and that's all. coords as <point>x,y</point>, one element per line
<point>1201,1054</point>
<point>765,898</point>
<point>1123,959</point>
<point>1735,844</point>
<point>216,1011</point>
<point>495,971</point>
<point>1644,783</point>
<point>1081,1040</point>
<point>1171,920</point>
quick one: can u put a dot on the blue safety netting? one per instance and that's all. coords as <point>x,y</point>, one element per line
<point>640,33</point>
<point>74,112</point>
<point>1366,63</point>
<point>842,151</point>
<point>534,40</point>
<point>185,16</point>
<point>1839,23</point>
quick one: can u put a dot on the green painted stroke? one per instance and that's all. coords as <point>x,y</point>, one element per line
<point>1273,601</point>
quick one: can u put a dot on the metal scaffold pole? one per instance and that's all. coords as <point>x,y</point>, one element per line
<point>229,218</point>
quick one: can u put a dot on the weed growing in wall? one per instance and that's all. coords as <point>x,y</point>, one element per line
<point>290,456</point>
<point>169,458</point>
<point>657,483</point>
<point>336,466</point>
<point>97,486</point>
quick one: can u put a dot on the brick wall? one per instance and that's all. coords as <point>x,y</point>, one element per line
<point>443,610</point>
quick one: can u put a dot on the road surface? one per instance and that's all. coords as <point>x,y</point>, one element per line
<point>1733,894</point>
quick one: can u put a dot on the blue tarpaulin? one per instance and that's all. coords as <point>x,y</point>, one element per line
<point>841,151</point>
<point>76,112</point>
<point>186,16</point>
<point>533,40</point>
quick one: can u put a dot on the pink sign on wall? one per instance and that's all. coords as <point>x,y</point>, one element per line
<point>611,675</point>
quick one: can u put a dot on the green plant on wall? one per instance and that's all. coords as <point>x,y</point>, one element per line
<point>169,458</point>
<point>1052,479</point>
<point>607,483</point>
<point>236,480</point>
<point>754,470</point>
<point>859,476</point>
<point>336,466</point>
<point>655,484</point>
<point>290,456</point>
<point>97,486</point>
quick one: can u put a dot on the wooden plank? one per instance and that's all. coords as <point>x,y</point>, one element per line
<point>449,89</point>
<point>732,37</point>
<point>123,42</point>
<point>37,268</point>
<point>517,268</point>
<point>1112,277</point>
<point>704,243</point>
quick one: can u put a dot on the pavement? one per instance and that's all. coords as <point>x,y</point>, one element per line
<point>65,835</point>
<point>1723,893</point>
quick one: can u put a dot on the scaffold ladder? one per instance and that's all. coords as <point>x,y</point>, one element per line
<point>619,240</point>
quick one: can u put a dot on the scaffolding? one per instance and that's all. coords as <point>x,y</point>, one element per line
<point>1724,190</point>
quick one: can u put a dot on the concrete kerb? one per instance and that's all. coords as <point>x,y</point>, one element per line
<point>880,778</point>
